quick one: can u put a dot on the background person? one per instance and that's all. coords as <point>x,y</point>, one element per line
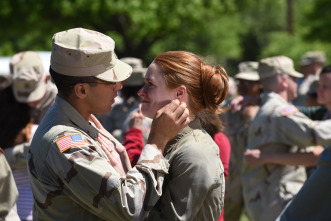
<point>311,65</point>
<point>236,130</point>
<point>278,127</point>
<point>311,203</point>
<point>8,191</point>
<point>31,85</point>
<point>16,131</point>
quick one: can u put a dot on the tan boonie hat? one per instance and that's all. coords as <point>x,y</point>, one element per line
<point>313,56</point>
<point>248,71</point>
<point>81,52</point>
<point>277,65</point>
<point>28,76</point>
<point>138,71</point>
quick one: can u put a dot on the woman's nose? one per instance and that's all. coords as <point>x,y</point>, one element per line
<point>141,92</point>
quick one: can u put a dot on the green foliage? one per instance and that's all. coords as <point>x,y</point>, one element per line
<point>226,30</point>
<point>319,20</point>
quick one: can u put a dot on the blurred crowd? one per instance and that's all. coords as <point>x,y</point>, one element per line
<point>273,138</point>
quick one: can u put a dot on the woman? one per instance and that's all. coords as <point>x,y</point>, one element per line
<point>194,187</point>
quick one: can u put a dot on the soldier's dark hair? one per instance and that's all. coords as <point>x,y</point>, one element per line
<point>65,84</point>
<point>326,69</point>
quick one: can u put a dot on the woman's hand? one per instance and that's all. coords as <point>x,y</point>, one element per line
<point>114,150</point>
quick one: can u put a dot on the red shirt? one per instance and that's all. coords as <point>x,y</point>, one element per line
<point>133,143</point>
<point>225,150</point>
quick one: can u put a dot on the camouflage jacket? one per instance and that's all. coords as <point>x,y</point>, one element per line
<point>278,127</point>
<point>71,178</point>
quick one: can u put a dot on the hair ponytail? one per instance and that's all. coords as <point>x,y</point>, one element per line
<point>215,86</point>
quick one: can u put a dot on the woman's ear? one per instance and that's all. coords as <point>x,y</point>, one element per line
<point>181,92</point>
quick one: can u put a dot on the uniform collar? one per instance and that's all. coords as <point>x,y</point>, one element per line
<point>271,95</point>
<point>75,117</point>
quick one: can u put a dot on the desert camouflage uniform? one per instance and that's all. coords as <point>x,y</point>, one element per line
<point>278,127</point>
<point>79,183</point>
<point>313,200</point>
<point>236,130</point>
<point>39,112</point>
<point>8,191</point>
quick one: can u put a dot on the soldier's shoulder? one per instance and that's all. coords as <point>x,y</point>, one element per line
<point>69,139</point>
<point>288,110</point>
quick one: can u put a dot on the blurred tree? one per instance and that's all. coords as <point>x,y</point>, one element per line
<point>224,31</point>
<point>319,20</point>
<point>140,28</point>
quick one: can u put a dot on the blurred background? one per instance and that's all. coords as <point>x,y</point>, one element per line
<point>225,32</point>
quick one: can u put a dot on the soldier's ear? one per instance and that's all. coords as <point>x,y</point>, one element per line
<point>283,81</point>
<point>80,90</point>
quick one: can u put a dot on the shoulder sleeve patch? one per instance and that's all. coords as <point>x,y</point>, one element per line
<point>68,141</point>
<point>289,110</point>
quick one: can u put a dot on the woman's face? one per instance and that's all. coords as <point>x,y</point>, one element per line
<point>155,94</point>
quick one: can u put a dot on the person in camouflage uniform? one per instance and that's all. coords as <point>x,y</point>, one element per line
<point>8,191</point>
<point>75,165</point>
<point>31,84</point>
<point>278,127</point>
<point>236,130</point>
<point>311,64</point>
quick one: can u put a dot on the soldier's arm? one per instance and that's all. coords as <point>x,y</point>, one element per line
<point>16,156</point>
<point>298,129</point>
<point>91,181</point>
<point>256,157</point>
<point>8,193</point>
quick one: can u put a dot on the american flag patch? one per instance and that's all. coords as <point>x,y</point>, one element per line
<point>68,141</point>
<point>289,110</point>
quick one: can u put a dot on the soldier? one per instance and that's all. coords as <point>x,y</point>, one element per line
<point>8,191</point>
<point>31,84</point>
<point>311,65</point>
<point>236,130</point>
<point>75,165</point>
<point>278,127</point>
<point>311,203</point>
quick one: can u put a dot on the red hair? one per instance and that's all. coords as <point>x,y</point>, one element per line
<point>207,85</point>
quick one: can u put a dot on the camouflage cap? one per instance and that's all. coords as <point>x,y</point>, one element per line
<point>313,56</point>
<point>138,71</point>
<point>277,65</point>
<point>248,71</point>
<point>28,76</point>
<point>81,52</point>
